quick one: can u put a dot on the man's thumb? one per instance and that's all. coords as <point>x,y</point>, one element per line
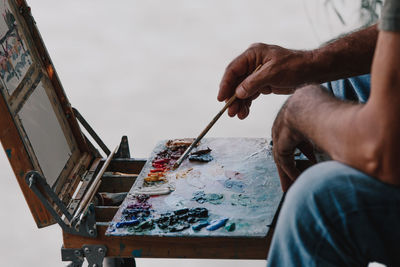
<point>242,91</point>
<point>249,86</point>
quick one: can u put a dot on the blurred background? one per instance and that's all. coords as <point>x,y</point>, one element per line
<point>150,70</point>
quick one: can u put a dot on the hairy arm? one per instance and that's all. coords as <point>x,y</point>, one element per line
<point>365,136</point>
<point>348,56</point>
<point>283,69</point>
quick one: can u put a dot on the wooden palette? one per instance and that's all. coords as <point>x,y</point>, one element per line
<point>243,171</point>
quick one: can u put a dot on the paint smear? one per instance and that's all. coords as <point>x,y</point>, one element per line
<point>234,175</point>
<point>236,186</point>
<point>184,173</point>
<point>212,198</point>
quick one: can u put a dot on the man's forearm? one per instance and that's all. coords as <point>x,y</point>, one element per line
<point>365,136</point>
<point>347,56</point>
<point>335,126</point>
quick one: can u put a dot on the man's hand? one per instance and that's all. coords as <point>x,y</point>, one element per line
<point>285,141</point>
<point>282,70</point>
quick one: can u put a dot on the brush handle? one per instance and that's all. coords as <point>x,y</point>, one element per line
<point>205,131</point>
<point>84,204</point>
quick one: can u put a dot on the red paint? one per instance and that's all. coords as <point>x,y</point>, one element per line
<point>157,165</point>
<point>161,161</point>
<point>158,170</point>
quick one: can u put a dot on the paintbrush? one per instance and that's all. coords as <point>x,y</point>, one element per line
<point>208,127</point>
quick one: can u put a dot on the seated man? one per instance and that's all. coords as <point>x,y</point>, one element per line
<point>344,212</point>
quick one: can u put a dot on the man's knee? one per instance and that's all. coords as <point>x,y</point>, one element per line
<point>315,191</point>
<point>318,179</point>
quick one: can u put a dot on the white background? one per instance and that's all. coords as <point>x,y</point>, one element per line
<point>150,70</point>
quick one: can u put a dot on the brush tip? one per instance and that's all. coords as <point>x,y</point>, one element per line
<point>175,166</point>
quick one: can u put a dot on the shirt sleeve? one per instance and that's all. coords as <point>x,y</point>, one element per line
<point>390,18</point>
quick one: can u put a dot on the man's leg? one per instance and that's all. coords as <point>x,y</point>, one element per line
<point>335,215</point>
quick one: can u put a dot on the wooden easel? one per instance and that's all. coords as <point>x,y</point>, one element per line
<point>55,199</point>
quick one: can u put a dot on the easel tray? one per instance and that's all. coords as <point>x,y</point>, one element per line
<point>240,185</point>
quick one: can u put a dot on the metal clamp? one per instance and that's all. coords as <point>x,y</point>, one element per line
<point>76,256</point>
<point>94,255</point>
<point>87,225</point>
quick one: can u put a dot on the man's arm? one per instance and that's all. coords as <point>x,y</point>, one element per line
<point>365,136</point>
<point>346,57</point>
<point>285,69</point>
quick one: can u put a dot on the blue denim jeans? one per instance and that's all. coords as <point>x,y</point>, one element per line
<point>352,89</point>
<point>334,215</point>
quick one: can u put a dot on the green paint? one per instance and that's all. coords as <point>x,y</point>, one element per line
<point>144,226</point>
<point>21,174</point>
<point>9,152</point>
<point>215,199</point>
<point>137,253</point>
<point>230,227</point>
<point>212,198</point>
<point>242,200</point>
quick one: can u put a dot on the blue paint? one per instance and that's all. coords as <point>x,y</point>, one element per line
<point>216,224</point>
<point>200,225</point>
<point>127,223</point>
<point>201,158</point>
<point>9,152</point>
<point>137,253</point>
<point>233,185</point>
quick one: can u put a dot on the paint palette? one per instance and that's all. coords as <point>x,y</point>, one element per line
<point>239,189</point>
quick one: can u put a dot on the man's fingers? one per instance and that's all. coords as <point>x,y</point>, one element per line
<point>286,182</point>
<point>235,72</point>
<point>234,108</point>
<point>308,150</point>
<point>254,96</point>
<point>244,110</point>
<point>288,165</point>
<point>283,91</point>
<point>241,108</point>
<point>251,85</point>
<point>285,161</point>
<point>265,91</point>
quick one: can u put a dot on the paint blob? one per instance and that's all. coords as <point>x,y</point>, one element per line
<point>212,198</point>
<point>216,224</point>
<point>230,227</point>
<point>201,155</point>
<point>242,200</point>
<point>236,186</point>
<point>201,158</point>
<point>181,219</point>
<point>200,225</point>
